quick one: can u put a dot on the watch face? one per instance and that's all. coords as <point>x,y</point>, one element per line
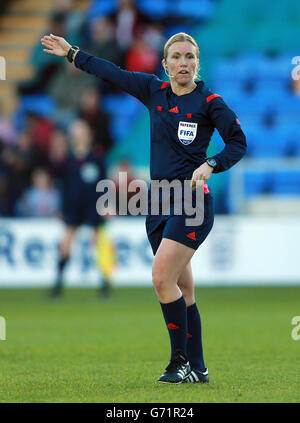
<point>212,162</point>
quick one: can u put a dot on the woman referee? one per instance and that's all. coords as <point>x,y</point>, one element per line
<point>183,116</point>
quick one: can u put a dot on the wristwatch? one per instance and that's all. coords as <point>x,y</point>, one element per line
<point>211,162</point>
<point>71,53</point>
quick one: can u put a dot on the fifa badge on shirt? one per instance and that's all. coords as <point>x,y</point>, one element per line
<point>187,132</point>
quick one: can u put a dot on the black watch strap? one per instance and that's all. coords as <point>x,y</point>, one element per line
<point>211,162</point>
<point>71,53</point>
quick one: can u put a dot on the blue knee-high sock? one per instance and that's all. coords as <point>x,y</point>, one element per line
<point>194,335</point>
<point>175,315</point>
<point>60,269</point>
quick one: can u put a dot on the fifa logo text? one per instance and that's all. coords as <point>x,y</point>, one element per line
<point>2,69</point>
<point>296,70</point>
<point>2,329</point>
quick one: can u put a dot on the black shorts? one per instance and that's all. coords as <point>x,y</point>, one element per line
<point>174,227</point>
<point>80,210</point>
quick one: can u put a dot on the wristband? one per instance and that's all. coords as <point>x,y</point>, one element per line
<point>71,53</point>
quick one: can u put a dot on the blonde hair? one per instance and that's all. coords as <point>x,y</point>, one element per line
<point>182,36</point>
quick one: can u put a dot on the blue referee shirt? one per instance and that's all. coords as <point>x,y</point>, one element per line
<point>181,126</point>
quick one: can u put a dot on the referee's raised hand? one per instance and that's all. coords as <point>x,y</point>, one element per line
<point>55,45</point>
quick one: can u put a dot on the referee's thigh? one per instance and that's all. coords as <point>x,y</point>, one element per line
<point>169,262</point>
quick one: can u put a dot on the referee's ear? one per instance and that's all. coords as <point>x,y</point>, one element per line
<point>197,70</point>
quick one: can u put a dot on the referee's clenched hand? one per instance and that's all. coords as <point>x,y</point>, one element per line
<point>55,45</point>
<point>201,175</point>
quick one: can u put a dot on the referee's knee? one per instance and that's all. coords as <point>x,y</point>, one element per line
<point>188,293</point>
<point>160,282</point>
<point>189,298</point>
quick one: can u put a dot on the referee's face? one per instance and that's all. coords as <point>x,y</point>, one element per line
<point>182,62</point>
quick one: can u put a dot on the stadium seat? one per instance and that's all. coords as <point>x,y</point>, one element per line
<point>156,9</point>
<point>101,8</point>
<point>277,86</point>
<point>42,105</point>
<point>226,86</point>
<point>268,142</point>
<point>123,109</point>
<point>291,135</point>
<point>225,70</point>
<point>287,118</point>
<point>286,183</point>
<point>288,103</point>
<point>256,182</point>
<point>186,8</point>
<point>174,28</point>
<point>253,102</point>
<point>250,120</point>
<point>275,69</point>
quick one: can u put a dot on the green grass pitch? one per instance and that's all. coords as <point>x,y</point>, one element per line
<point>84,349</point>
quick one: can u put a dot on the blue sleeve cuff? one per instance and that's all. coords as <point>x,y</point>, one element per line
<point>81,58</point>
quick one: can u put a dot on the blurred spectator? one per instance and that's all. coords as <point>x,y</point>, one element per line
<point>57,27</point>
<point>58,148</point>
<point>74,20</point>
<point>99,122</point>
<point>7,131</point>
<point>41,199</point>
<point>103,42</point>
<point>82,170</point>
<point>128,21</point>
<point>69,85</point>
<point>141,57</point>
<point>46,65</point>
<point>153,36</point>
<point>40,80</point>
<point>122,183</point>
<point>40,130</point>
<point>5,203</point>
<point>58,152</point>
<point>18,162</point>
<point>75,163</point>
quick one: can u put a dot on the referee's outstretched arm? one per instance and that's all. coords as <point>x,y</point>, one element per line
<point>134,83</point>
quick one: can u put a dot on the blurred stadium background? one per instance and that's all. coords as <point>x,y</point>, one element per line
<point>80,349</point>
<point>246,52</point>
